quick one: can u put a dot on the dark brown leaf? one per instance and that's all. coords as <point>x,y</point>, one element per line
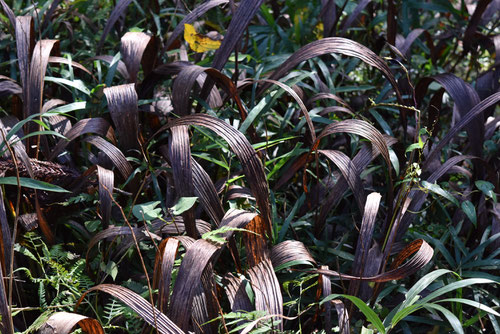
<point>266,288</point>
<point>423,255</point>
<point>350,173</point>
<point>25,41</point>
<point>9,13</point>
<point>195,260</point>
<point>164,263</point>
<point>113,153</point>
<point>469,117</point>
<point>64,322</point>
<point>235,291</point>
<point>94,125</point>
<point>133,45</point>
<point>8,87</point>
<point>140,305</point>
<point>5,324</point>
<point>121,67</point>
<point>5,237</point>
<point>122,105</point>
<point>290,250</point>
<point>119,9</point>
<point>205,190</point>
<point>106,185</point>
<point>179,153</point>
<point>252,166</point>
<point>334,45</point>
<point>354,15</point>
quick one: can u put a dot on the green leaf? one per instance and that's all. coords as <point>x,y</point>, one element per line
<point>33,184</point>
<point>471,303</point>
<point>184,204</point>
<point>370,315</point>
<point>111,269</point>
<point>452,319</point>
<point>487,189</point>
<point>469,209</point>
<point>147,211</point>
<point>435,188</point>
<point>455,286</point>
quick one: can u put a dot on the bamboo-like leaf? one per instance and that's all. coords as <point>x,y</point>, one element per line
<point>61,60</point>
<point>122,104</point>
<point>142,307</point>
<point>266,288</point>
<point>342,315</point>
<point>25,41</point>
<point>33,184</point>
<point>64,322</point>
<point>106,185</point>
<point>121,67</point>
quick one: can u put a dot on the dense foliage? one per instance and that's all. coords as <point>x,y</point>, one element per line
<point>219,166</point>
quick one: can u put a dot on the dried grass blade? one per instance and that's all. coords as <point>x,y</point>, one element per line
<point>343,316</point>
<point>266,288</point>
<point>6,324</point>
<point>61,60</point>
<point>164,263</point>
<point>106,185</point>
<point>122,104</point>
<point>335,45</point>
<point>133,45</point>
<point>119,9</point>
<point>195,260</point>
<point>328,16</point>
<point>190,18</point>
<point>236,294</point>
<point>140,305</point>
<point>64,322</point>
<point>25,41</point>
<point>255,243</point>
<point>354,15</point>
<point>179,153</point>
<point>94,125</point>
<point>464,121</point>
<point>350,173</point>
<point>8,87</point>
<point>38,67</point>
<point>9,13</point>
<point>239,22</point>
<point>252,166</point>
<point>113,153</point>
<point>5,237</point>
<point>365,238</point>
<point>288,251</point>
<point>366,233</point>
<point>206,192</point>
<point>423,255</point>
<point>325,287</point>
<point>465,98</point>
